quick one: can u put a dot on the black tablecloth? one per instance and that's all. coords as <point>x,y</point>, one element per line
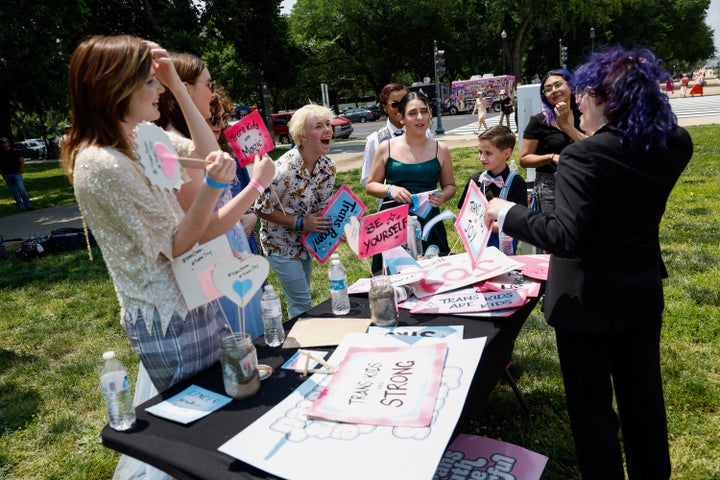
<point>190,451</point>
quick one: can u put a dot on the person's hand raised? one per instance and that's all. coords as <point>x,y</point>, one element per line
<point>263,170</point>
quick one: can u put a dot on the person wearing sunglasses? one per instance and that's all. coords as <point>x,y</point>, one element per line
<point>548,133</point>
<point>197,81</point>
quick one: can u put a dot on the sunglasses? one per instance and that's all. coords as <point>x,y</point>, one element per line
<point>216,119</point>
<point>394,105</point>
<point>554,86</point>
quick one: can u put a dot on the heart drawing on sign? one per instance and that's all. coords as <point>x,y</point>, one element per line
<point>239,278</point>
<point>242,287</point>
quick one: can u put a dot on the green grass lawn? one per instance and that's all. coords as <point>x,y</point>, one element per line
<point>59,313</point>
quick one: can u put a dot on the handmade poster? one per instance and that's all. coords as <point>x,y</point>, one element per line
<point>343,205</point>
<point>248,137</point>
<point>189,405</point>
<point>534,266</point>
<point>362,285</point>
<point>472,457</point>
<point>388,386</point>
<point>163,171</point>
<point>469,300</point>
<point>193,271</point>
<point>470,223</point>
<point>511,281</point>
<point>240,278</point>
<point>323,331</point>
<point>377,232</point>
<point>455,271</point>
<point>285,442</point>
<point>434,331</point>
<point>421,205</point>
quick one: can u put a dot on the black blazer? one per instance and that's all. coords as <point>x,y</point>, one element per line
<point>605,268</point>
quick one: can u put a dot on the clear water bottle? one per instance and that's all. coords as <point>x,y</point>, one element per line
<point>414,240</point>
<point>513,165</point>
<point>115,386</point>
<point>338,288</point>
<point>432,252</point>
<point>272,317</point>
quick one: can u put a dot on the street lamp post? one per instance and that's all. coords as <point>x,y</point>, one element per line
<point>503,35</point>
<point>592,40</point>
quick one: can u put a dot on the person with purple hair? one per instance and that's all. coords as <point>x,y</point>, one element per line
<point>604,293</point>
<point>548,132</point>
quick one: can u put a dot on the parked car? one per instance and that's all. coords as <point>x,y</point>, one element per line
<point>342,127</point>
<point>357,114</point>
<point>33,148</point>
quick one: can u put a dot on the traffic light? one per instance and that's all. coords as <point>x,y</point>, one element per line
<point>563,55</point>
<point>440,68</point>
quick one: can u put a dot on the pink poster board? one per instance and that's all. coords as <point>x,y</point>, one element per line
<point>386,386</point>
<point>343,205</point>
<point>470,223</point>
<point>248,137</point>
<point>534,266</point>
<point>472,457</point>
<point>378,232</point>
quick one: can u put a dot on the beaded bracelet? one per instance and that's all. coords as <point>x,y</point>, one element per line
<point>256,185</point>
<point>215,184</point>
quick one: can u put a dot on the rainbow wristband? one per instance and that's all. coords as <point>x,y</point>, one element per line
<point>256,185</point>
<point>214,184</point>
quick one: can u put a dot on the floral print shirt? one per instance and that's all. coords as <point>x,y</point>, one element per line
<point>300,193</point>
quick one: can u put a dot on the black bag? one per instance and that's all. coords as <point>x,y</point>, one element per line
<point>31,248</point>
<point>64,239</point>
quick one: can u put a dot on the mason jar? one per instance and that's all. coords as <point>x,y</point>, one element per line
<point>239,363</point>
<point>383,309</point>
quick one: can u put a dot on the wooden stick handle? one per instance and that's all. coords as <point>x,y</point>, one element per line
<point>189,162</point>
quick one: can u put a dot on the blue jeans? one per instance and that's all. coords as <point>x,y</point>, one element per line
<point>294,276</point>
<point>17,188</point>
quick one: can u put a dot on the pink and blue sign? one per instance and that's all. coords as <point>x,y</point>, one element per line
<point>248,137</point>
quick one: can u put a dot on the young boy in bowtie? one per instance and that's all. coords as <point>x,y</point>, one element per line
<point>496,180</point>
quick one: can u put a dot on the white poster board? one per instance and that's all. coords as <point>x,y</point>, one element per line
<point>286,443</point>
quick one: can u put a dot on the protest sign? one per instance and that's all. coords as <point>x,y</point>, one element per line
<point>161,170</point>
<point>389,386</point>
<point>343,205</point>
<point>248,137</point>
<point>472,457</point>
<point>193,271</point>
<point>456,271</point>
<point>239,278</point>
<point>377,232</point>
<point>534,266</point>
<point>470,223</point>
<point>285,441</point>
<point>468,300</point>
<point>511,281</point>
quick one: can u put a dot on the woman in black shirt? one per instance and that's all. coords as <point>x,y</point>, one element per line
<point>548,132</point>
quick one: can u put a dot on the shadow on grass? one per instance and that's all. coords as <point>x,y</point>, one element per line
<point>18,404</point>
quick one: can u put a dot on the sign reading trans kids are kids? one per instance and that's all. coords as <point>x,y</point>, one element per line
<point>343,205</point>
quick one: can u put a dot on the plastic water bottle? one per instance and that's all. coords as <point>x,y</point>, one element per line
<point>115,387</point>
<point>272,317</point>
<point>432,252</point>
<point>513,165</point>
<point>414,240</point>
<point>338,288</point>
